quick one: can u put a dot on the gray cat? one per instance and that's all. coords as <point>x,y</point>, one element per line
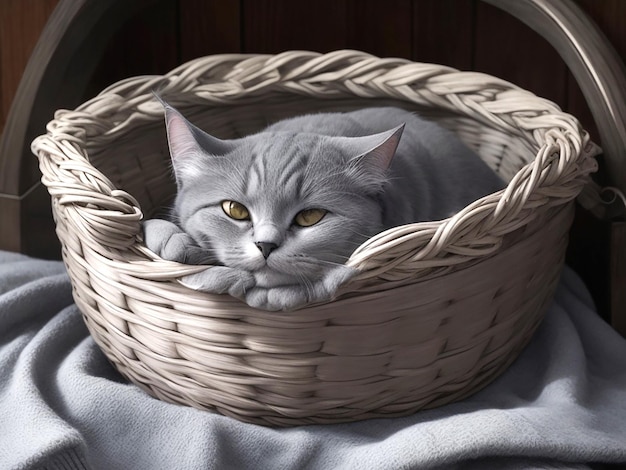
<point>279,212</point>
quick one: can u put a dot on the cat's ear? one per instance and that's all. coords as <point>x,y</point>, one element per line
<point>187,141</point>
<point>374,154</point>
<point>377,151</point>
<point>180,137</point>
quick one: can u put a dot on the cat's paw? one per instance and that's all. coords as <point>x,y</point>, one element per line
<point>291,297</point>
<point>168,241</point>
<point>332,281</point>
<point>221,280</point>
<point>277,298</point>
<point>165,239</point>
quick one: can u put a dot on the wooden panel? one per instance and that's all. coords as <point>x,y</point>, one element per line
<point>209,27</point>
<point>10,233</point>
<point>443,32</point>
<point>271,26</point>
<point>588,254</point>
<point>380,28</point>
<point>28,226</point>
<point>21,23</point>
<point>507,48</point>
<point>618,277</point>
<point>38,229</point>
<point>146,44</point>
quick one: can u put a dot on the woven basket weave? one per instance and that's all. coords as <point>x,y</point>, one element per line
<point>439,308</point>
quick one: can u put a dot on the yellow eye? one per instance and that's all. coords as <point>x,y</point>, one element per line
<point>309,217</point>
<point>236,211</point>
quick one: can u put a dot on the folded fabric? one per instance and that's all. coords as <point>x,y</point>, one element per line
<point>562,404</point>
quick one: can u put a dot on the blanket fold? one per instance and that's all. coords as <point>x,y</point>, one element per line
<point>562,404</point>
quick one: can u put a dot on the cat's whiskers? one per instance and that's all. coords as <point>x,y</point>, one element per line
<point>307,284</point>
<point>173,217</point>
<point>311,261</point>
<point>362,235</point>
<point>236,257</point>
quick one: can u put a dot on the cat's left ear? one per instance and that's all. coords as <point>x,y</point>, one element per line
<point>374,154</point>
<point>377,151</point>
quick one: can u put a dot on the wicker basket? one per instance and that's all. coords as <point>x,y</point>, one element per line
<point>439,309</point>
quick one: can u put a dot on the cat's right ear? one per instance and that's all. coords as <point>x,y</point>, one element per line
<point>180,136</point>
<point>187,143</point>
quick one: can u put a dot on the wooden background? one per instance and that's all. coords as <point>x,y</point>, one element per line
<point>466,34</point>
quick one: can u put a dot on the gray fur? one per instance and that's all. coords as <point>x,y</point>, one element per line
<point>332,161</point>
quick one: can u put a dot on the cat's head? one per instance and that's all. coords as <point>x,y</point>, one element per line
<point>283,205</point>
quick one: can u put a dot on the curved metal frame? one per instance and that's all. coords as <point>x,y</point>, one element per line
<point>593,61</point>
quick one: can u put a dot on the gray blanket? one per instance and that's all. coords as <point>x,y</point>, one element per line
<point>562,404</point>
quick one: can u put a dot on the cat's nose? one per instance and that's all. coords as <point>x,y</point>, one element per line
<point>266,248</point>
